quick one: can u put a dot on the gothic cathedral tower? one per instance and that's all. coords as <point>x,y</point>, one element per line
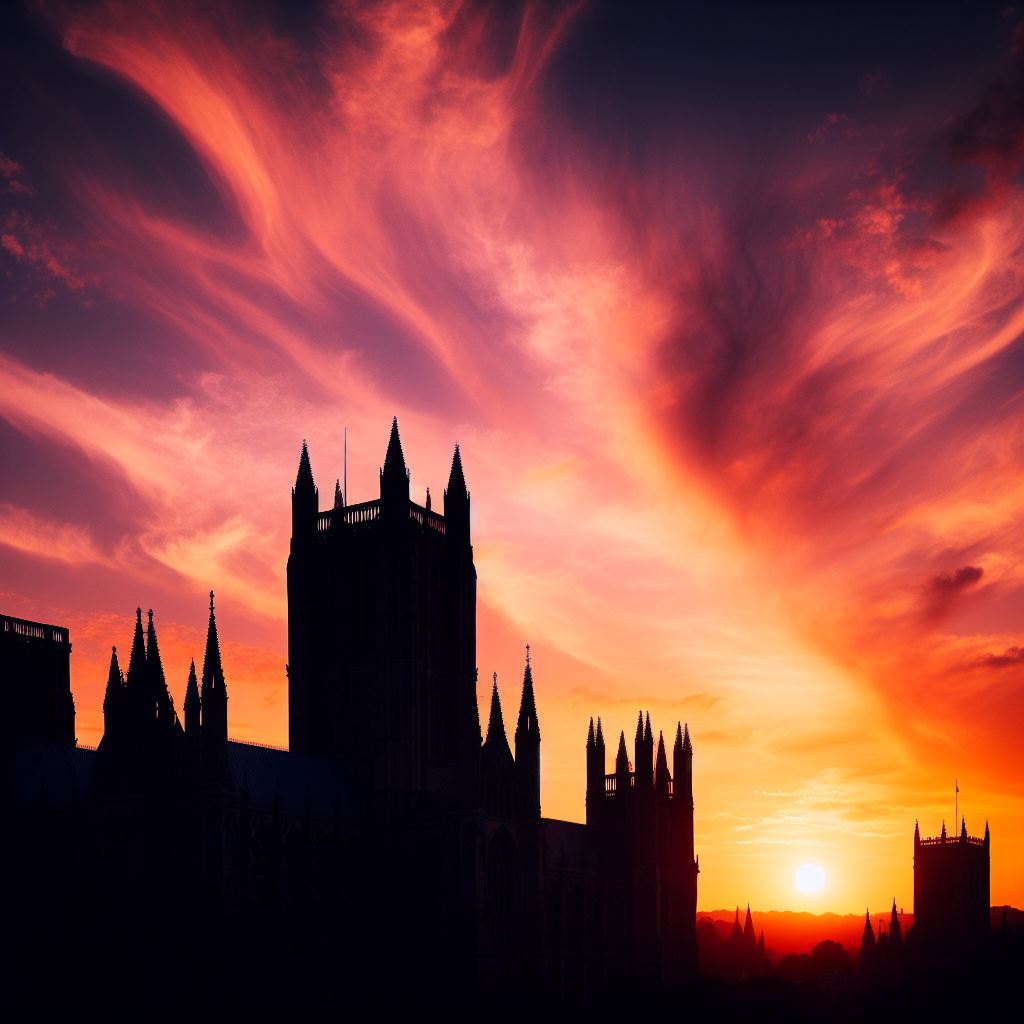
<point>382,639</point>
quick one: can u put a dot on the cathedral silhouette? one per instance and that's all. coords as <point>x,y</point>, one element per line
<point>393,849</point>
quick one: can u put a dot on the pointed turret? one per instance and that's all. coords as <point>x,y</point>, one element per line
<point>214,695</point>
<point>192,706</point>
<point>496,721</point>
<point>917,834</point>
<point>963,830</point>
<point>640,773</point>
<point>528,746</point>
<point>736,935</point>
<point>456,502</point>
<point>867,939</point>
<point>687,745</point>
<point>497,767</point>
<point>136,681</point>
<point>622,767</point>
<point>595,775</point>
<point>894,926</point>
<point>749,935</point>
<point>163,705</point>
<point>113,697</point>
<point>942,834</point>
<point>661,779</point>
<point>339,497</point>
<point>644,768</point>
<point>305,498</point>
<point>987,835</point>
<point>394,479</point>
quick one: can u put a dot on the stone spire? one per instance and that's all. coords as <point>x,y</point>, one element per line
<point>192,705</point>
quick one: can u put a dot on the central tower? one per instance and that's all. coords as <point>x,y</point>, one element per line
<point>382,639</point>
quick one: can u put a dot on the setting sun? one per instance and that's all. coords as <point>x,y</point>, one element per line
<point>810,878</point>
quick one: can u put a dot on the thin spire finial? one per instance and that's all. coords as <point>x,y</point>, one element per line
<point>527,654</point>
<point>211,600</point>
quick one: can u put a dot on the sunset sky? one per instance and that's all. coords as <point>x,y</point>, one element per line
<point>724,306</point>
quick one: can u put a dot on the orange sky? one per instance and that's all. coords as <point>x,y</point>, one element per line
<point>744,448</point>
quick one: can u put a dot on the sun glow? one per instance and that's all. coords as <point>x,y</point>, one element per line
<point>810,878</point>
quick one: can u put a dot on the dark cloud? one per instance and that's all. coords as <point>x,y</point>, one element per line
<point>953,583</point>
<point>945,590</point>
<point>1010,657</point>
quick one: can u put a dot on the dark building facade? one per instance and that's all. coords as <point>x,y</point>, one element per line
<point>35,662</point>
<point>951,890</point>
<point>395,843</point>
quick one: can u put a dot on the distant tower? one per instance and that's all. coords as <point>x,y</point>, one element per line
<point>528,747</point>
<point>951,891</point>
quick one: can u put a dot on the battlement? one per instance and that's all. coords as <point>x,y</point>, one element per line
<point>957,840</point>
<point>369,512</point>
<point>611,784</point>
<point>35,630</point>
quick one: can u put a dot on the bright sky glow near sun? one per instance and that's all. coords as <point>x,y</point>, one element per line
<point>727,321</point>
<point>810,878</point>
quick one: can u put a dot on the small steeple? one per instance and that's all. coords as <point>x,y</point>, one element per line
<point>942,835</point>
<point>192,704</point>
<point>339,497</point>
<point>621,757</point>
<point>599,736</point>
<point>868,936</point>
<point>137,659</point>
<point>394,458</point>
<point>661,778</point>
<point>304,477</point>
<point>456,502</point>
<point>115,684</point>
<point>394,480</point>
<point>305,499</point>
<point>678,745</point>
<point>917,832</point>
<point>987,836</point>
<point>214,694</point>
<point>590,734</point>
<point>456,479</point>
<point>161,696</point>
<point>687,745</point>
<point>213,670</point>
<point>496,722</point>
<point>528,722</point>
<point>427,502</point>
<point>748,928</point>
<point>639,728</point>
<point>737,932</point>
<point>528,747</point>
<point>113,698</point>
<point>648,735</point>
